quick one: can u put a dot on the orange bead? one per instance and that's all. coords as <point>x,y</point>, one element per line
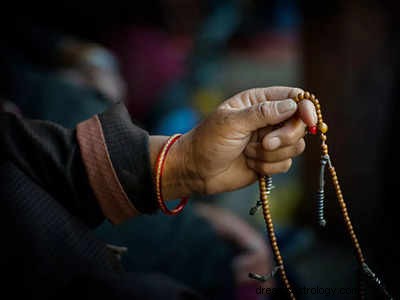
<point>323,127</point>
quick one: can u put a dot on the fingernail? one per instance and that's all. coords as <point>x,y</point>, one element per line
<point>314,117</point>
<point>286,105</point>
<point>273,143</point>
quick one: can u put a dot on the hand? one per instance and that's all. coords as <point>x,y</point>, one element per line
<point>237,142</point>
<point>255,255</point>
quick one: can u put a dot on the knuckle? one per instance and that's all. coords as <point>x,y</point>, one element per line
<point>248,96</point>
<point>262,110</point>
<point>271,110</point>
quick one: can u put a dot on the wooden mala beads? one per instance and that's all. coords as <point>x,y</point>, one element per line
<point>265,185</point>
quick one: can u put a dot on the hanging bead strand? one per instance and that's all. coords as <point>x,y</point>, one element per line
<point>271,233</point>
<point>265,185</point>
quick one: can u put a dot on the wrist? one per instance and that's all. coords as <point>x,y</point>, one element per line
<point>179,175</point>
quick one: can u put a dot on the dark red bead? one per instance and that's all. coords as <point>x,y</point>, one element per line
<point>313,129</point>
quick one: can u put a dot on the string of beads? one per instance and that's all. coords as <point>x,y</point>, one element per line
<point>265,184</point>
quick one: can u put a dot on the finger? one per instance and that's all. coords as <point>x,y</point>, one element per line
<point>307,112</point>
<point>262,114</point>
<point>258,95</point>
<point>256,151</point>
<point>257,135</point>
<point>289,134</point>
<point>264,168</point>
<point>281,92</point>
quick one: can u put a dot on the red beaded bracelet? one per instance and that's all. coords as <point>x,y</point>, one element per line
<point>159,168</point>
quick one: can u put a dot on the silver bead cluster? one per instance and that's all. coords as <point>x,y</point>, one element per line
<point>321,192</point>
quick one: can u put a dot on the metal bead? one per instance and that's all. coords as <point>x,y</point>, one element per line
<point>320,208</point>
<point>269,184</point>
<point>372,276</point>
<point>307,95</point>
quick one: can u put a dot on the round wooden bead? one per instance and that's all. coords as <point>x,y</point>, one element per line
<point>323,127</point>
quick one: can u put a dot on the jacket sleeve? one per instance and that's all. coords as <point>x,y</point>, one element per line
<point>99,170</point>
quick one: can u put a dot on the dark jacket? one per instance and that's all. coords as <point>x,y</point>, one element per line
<point>58,184</point>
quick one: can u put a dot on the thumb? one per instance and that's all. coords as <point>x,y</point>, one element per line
<point>266,113</point>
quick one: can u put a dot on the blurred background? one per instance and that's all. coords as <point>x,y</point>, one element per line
<point>173,61</point>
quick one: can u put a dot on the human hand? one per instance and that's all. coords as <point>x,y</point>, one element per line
<point>238,142</point>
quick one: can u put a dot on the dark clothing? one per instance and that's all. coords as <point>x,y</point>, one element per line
<point>50,155</point>
<point>50,199</point>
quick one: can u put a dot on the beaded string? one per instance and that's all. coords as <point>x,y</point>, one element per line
<point>265,184</point>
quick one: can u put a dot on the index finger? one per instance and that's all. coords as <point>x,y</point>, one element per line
<point>257,95</point>
<point>281,92</point>
<point>307,111</point>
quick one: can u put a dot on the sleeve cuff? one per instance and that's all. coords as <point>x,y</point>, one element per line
<point>116,157</point>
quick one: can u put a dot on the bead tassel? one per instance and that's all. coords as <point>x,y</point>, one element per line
<point>271,233</point>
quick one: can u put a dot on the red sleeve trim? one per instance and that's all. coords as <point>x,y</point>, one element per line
<point>103,179</point>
